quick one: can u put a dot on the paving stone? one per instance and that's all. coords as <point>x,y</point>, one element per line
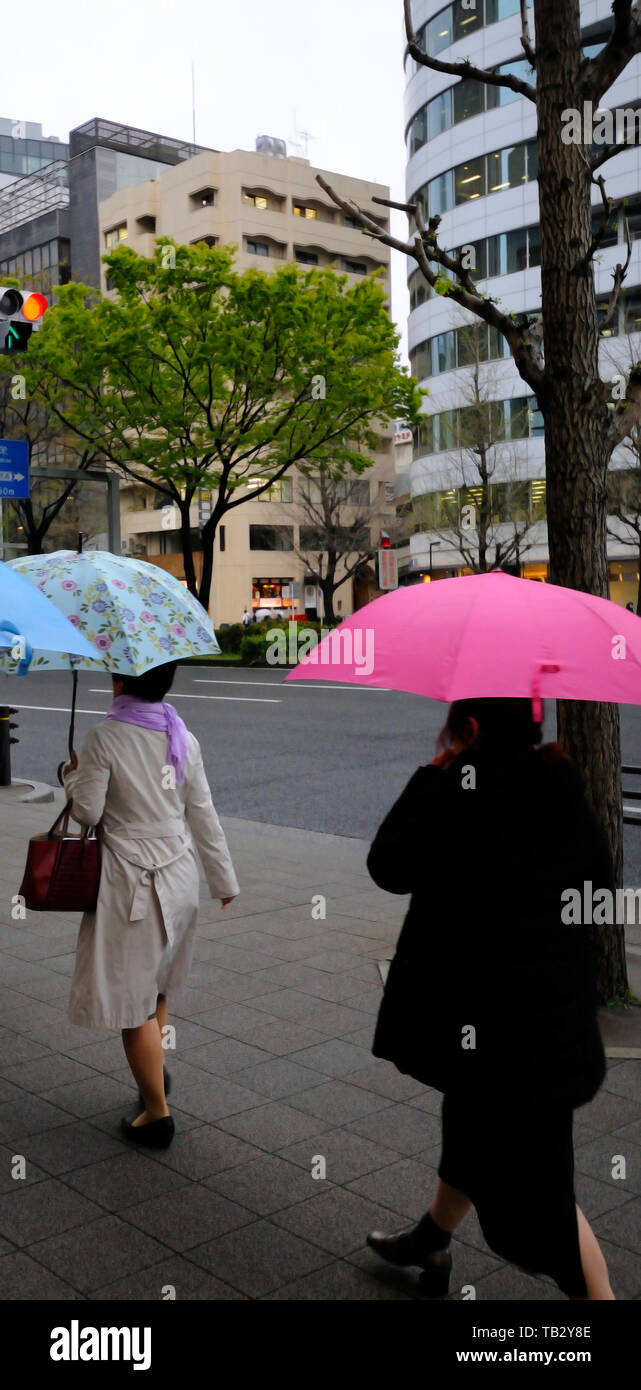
<point>277,1077</point>
<point>347,1156</point>
<point>281,1037</point>
<point>44,1073</point>
<point>172,1273</point>
<point>509,1283</point>
<point>624,1268</point>
<point>427,1099</point>
<point>385,1080</point>
<point>226,1056</point>
<point>407,1187</point>
<point>215,1097</point>
<point>271,1126</point>
<point>336,1102</point>
<point>597,1159</point>
<point>259,1258</point>
<point>203,1151</point>
<point>330,1019</point>
<point>625,1080</point>
<point>88,1098</point>
<point>234,1020</point>
<point>337,1058</point>
<point>98,1253</point>
<point>319,984</point>
<point>28,1116</point>
<point>336,1220</point>
<point>42,1209</point>
<point>15,1048</point>
<point>124,1180</point>
<point>233,988</point>
<point>213,1290</point>
<point>400,1127</point>
<point>338,1282</point>
<point>266,1185</point>
<point>622,1226</point>
<point>595,1198</point>
<point>8,1166</point>
<point>607,1111</point>
<point>188,1217</point>
<point>67,1147</point>
<point>22,1278</point>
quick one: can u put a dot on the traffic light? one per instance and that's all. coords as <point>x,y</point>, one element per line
<point>19,311</point>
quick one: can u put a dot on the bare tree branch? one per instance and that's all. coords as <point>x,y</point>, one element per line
<point>627,413</point>
<point>618,276</point>
<point>425,249</point>
<point>526,38</point>
<point>463,69</point>
<point>601,72</point>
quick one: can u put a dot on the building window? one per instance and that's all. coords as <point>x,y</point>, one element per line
<point>632,312</point>
<point>506,168</point>
<point>271,537</point>
<point>203,198</point>
<point>354,267</point>
<point>221,537</point>
<point>301,210</point>
<point>306,257</point>
<point>147,223</point>
<point>632,209</point>
<point>280,491</point>
<point>257,248</point>
<point>255,200</point>
<point>115,235</point>
<point>207,240</point>
<point>470,180</point>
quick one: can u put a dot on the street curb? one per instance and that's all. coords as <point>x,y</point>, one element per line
<point>34,792</point>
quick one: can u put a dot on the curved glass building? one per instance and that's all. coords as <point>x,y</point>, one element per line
<point>476,482</point>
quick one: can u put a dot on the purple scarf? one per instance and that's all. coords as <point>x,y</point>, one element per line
<point>159,715</point>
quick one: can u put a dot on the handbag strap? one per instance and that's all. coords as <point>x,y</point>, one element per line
<point>86,832</point>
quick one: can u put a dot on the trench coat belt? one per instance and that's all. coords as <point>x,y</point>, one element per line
<point>146,878</point>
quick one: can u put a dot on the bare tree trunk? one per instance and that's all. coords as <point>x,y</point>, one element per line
<point>188,554</point>
<point>576,419</point>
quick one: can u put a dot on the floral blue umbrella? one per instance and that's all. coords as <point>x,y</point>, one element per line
<point>134,613</point>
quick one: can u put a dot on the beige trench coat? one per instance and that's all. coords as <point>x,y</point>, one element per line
<point>139,941</point>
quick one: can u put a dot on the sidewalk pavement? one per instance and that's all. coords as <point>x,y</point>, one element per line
<point>272,1073</point>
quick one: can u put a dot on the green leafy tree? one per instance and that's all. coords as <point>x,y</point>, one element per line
<point>197,376</point>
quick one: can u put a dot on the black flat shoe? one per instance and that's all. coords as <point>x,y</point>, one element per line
<point>158,1134</point>
<point>167,1080</point>
<point>417,1246</point>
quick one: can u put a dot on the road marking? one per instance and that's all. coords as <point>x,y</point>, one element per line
<point>64,709</point>
<point>291,685</point>
<point>242,699</point>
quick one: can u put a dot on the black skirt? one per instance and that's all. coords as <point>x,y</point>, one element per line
<point>516,1164</point>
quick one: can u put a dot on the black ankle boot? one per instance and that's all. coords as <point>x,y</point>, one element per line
<point>415,1247</point>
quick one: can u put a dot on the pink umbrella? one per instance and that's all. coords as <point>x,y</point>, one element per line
<point>486,635</point>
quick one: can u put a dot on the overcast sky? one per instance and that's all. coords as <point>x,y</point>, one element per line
<point>332,68</point>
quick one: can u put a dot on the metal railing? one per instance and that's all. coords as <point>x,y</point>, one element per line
<point>40,192</point>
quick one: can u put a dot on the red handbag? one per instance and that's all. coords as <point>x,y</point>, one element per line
<point>62,872</point>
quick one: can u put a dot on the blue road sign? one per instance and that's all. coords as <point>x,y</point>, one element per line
<point>14,468</point>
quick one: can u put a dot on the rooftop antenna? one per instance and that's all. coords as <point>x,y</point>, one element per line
<point>301,139</point>
<point>193,100</point>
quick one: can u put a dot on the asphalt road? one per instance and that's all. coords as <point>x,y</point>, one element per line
<point>321,757</point>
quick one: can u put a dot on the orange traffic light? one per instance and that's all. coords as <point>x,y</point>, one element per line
<point>34,306</point>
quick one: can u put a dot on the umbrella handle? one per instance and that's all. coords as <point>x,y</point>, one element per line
<point>72,725</point>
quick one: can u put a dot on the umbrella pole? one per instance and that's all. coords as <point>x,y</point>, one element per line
<point>72,725</point>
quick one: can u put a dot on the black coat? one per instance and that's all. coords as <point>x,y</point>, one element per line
<point>483,946</point>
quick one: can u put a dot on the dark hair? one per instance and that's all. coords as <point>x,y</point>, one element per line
<point>503,724</point>
<point>153,685</point>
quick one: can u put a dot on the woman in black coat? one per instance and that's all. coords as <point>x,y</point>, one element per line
<point>491,997</point>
